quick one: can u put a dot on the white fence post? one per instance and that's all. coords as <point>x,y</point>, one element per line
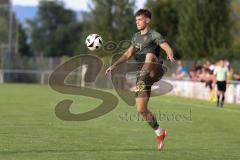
<point>84,70</point>
<point>1,77</point>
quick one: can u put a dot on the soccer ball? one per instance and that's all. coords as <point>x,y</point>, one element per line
<point>94,41</point>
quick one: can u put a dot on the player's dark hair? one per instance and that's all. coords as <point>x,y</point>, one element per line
<point>144,12</point>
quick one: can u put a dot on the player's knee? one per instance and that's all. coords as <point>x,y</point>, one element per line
<point>143,75</point>
<point>150,57</point>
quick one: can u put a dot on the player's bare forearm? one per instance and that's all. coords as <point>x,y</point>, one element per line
<point>124,57</point>
<point>168,51</point>
<point>121,60</point>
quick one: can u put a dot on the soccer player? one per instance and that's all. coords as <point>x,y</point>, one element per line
<point>146,49</point>
<point>220,73</point>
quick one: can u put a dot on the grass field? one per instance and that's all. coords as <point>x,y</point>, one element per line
<point>29,129</point>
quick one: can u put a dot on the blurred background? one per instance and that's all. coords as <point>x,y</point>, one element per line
<point>38,35</point>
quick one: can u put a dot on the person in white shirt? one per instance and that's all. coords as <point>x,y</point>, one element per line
<point>220,73</point>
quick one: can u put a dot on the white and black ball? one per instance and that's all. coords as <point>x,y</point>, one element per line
<point>94,41</point>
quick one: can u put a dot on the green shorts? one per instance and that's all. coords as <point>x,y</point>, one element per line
<point>145,80</point>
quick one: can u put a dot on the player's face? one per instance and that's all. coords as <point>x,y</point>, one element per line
<point>221,63</point>
<point>141,22</point>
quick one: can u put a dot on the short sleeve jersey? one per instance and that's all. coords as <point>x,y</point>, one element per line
<point>147,43</point>
<point>221,73</point>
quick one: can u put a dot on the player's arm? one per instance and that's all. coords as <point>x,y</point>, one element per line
<point>159,40</point>
<point>168,51</point>
<point>128,54</point>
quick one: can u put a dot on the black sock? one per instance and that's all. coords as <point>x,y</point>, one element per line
<point>218,97</point>
<point>222,101</point>
<point>153,123</point>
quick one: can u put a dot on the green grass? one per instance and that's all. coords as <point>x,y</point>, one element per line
<point>30,130</point>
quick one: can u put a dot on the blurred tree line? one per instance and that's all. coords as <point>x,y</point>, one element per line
<point>195,28</point>
<point>3,22</point>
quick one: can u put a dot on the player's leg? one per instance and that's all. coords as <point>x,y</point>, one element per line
<point>221,93</point>
<point>145,80</point>
<point>218,93</point>
<point>223,90</point>
<point>144,90</point>
<point>218,97</point>
<point>142,107</point>
<point>222,98</point>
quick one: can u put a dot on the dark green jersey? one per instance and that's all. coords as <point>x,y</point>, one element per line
<point>146,43</point>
